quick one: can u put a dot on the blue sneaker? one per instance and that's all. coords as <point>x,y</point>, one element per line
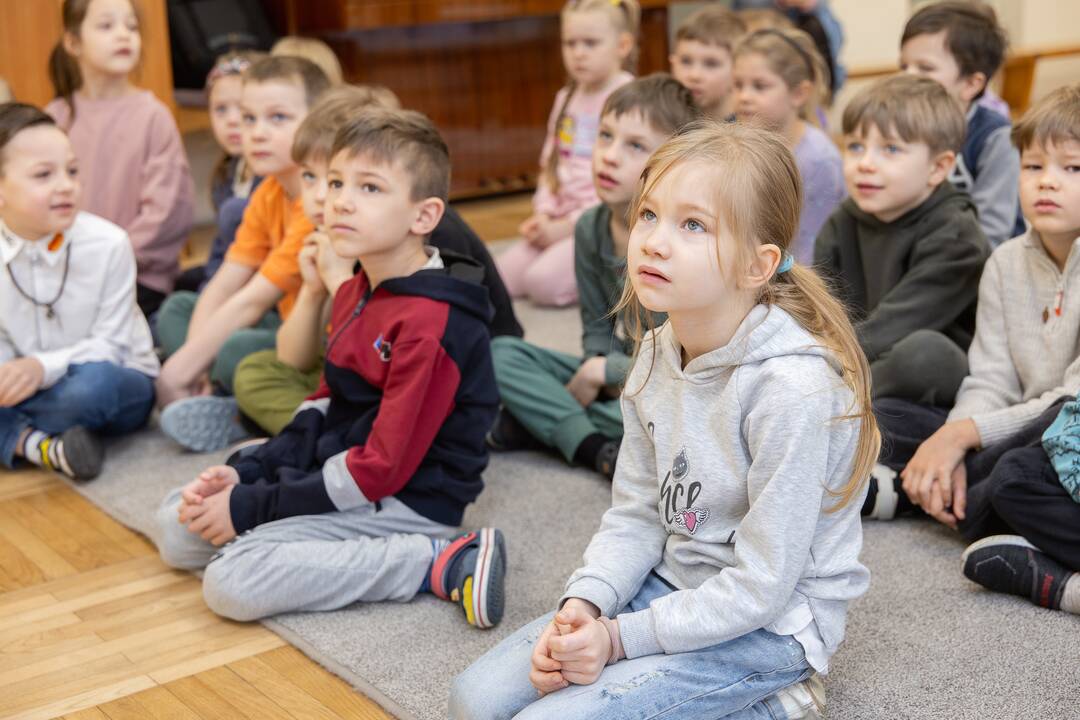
<point>204,423</point>
<point>470,572</point>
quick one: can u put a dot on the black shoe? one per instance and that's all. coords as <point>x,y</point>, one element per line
<point>606,458</point>
<point>508,434</point>
<point>81,454</point>
<point>1010,564</point>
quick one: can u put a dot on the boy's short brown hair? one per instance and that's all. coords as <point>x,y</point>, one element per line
<point>337,106</point>
<point>972,34</point>
<point>664,102</point>
<point>1054,119</point>
<point>917,109</point>
<point>16,117</point>
<point>405,136</point>
<point>292,69</point>
<point>712,25</point>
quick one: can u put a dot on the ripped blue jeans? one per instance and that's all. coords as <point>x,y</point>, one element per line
<point>736,679</point>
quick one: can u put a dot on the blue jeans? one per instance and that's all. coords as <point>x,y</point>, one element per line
<point>100,396</point>
<point>735,679</point>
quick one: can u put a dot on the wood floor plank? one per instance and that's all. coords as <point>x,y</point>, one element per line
<point>172,582</point>
<point>130,541</point>
<point>70,537</point>
<point>17,570</point>
<point>86,701</point>
<point>249,700</point>
<point>215,658</point>
<point>332,691</point>
<point>16,484</point>
<point>52,564</point>
<point>293,699</point>
<point>74,585</point>
<point>91,713</point>
<point>65,682</point>
<point>205,700</point>
<point>161,704</point>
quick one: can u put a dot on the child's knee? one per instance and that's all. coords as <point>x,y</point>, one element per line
<point>470,697</point>
<point>225,594</point>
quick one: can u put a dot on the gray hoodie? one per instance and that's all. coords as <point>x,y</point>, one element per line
<point>720,489</point>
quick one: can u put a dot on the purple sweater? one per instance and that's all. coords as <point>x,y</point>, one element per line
<point>134,173</point>
<point>822,174</point>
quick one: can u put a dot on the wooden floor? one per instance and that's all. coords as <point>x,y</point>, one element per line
<point>93,625</point>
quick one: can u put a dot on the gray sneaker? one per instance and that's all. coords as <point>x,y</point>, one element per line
<point>204,423</point>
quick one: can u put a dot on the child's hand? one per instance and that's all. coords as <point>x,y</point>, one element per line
<point>585,649</point>
<point>210,481</point>
<point>936,463</point>
<point>19,380</point>
<point>334,270</point>
<point>545,675</point>
<point>530,229</point>
<point>214,523</point>
<point>587,382</point>
<point>552,230</point>
<point>309,265</point>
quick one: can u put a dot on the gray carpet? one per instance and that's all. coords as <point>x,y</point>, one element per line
<point>923,643</point>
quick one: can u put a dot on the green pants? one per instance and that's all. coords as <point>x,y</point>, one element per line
<point>268,391</point>
<point>172,328</point>
<point>532,381</point>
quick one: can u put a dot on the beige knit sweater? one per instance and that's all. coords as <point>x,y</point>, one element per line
<point>1027,338</point>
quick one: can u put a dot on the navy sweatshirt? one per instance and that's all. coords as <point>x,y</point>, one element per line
<point>406,397</point>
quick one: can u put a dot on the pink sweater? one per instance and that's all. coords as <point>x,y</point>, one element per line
<point>134,172</point>
<point>574,142</point>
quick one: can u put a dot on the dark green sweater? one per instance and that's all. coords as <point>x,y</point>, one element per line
<point>920,271</point>
<point>600,275</point>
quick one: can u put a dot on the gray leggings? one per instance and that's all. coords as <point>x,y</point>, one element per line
<point>309,562</point>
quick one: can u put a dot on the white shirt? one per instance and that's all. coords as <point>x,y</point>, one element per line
<point>95,317</point>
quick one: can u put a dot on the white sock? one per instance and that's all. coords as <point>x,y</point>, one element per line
<point>1070,599</point>
<point>45,451</point>
<point>887,498</point>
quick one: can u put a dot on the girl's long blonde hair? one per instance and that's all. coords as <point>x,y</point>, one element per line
<point>625,16</point>
<point>758,196</point>
<point>792,55</point>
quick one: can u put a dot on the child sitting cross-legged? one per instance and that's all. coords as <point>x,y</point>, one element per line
<point>373,474</point>
<point>905,251</point>
<point>76,357</point>
<point>567,402</point>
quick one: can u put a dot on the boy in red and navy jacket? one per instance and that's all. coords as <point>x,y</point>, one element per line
<point>376,468</point>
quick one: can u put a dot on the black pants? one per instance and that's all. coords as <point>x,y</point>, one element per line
<point>925,367</point>
<point>149,300</point>
<point>1012,486</point>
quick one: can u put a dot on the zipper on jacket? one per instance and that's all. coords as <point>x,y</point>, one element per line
<point>355,314</point>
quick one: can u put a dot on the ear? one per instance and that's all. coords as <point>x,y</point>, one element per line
<point>71,43</point>
<point>763,264</point>
<point>625,45</point>
<point>971,85</point>
<point>800,94</point>
<point>429,212</point>
<point>941,166</point>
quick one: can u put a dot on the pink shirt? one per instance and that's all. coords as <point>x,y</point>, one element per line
<point>134,173</point>
<point>574,141</point>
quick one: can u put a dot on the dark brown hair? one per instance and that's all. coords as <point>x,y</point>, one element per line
<point>289,68</point>
<point>665,103</point>
<point>972,34</point>
<point>404,136</point>
<point>315,136</point>
<point>63,69</point>
<point>712,25</point>
<point>917,109</point>
<point>16,117</point>
<point>1054,119</point>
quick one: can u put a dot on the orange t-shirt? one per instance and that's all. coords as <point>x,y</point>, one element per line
<point>271,237</point>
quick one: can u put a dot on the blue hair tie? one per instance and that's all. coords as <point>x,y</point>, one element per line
<point>786,263</point>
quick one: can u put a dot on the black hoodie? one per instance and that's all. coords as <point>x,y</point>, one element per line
<point>403,405</point>
<point>921,271</point>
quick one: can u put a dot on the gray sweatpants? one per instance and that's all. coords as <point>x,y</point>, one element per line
<point>309,562</point>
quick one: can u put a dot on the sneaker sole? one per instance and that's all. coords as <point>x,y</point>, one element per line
<point>1014,540</point>
<point>203,424</point>
<point>84,452</point>
<point>488,579</point>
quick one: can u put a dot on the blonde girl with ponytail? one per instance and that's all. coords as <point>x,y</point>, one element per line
<point>781,83</point>
<point>131,159</point>
<point>599,50</point>
<point>731,550</point>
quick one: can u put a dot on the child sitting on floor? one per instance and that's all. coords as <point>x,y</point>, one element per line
<point>76,357</point>
<point>373,474</point>
<point>981,468</point>
<point>905,250</point>
<point>702,59</point>
<point>720,579</point>
<point>568,402</point>
<point>598,43</point>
